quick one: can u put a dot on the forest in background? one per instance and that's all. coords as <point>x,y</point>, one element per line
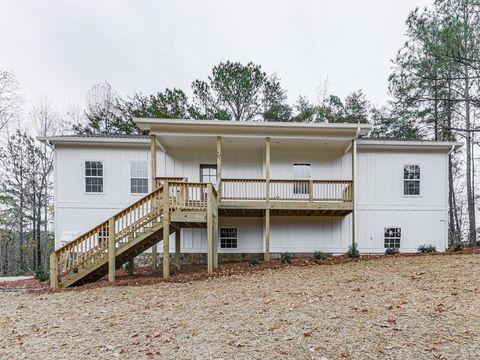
<point>434,95</point>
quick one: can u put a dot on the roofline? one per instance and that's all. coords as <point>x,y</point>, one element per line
<point>72,140</point>
<point>395,144</point>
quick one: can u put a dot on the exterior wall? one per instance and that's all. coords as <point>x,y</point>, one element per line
<point>381,203</point>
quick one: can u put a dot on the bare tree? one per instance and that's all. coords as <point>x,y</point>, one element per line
<point>9,97</point>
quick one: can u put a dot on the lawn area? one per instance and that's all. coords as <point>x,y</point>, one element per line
<point>415,307</point>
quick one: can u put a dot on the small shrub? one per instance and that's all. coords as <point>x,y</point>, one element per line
<point>285,258</point>
<point>41,275</point>
<point>424,249</point>
<point>353,251</point>
<point>253,261</point>
<point>392,250</point>
<point>478,243</point>
<point>318,255</point>
<point>458,246</point>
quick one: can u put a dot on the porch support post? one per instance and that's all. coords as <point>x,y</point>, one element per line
<point>177,249</point>
<point>267,235</point>
<point>54,270</point>
<point>111,249</point>
<point>166,232</point>
<point>267,169</point>
<point>209,229</point>
<point>153,161</point>
<point>131,265</point>
<point>215,234</point>
<point>354,203</point>
<point>219,167</point>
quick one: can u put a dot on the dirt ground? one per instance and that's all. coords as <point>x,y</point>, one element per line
<point>401,307</point>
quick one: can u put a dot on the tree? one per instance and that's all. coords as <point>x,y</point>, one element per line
<point>240,93</point>
<point>9,97</point>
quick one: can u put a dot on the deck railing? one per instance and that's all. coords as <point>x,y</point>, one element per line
<point>188,195</point>
<point>286,190</point>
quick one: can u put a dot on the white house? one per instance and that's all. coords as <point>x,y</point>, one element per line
<point>276,187</point>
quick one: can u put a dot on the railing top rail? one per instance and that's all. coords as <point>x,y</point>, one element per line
<point>182,183</point>
<point>283,180</point>
<point>79,239</point>
<point>172,178</point>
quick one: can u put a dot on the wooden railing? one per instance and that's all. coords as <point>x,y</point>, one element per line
<point>94,244</point>
<point>188,195</point>
<point>287,190</point>
<point>159,181</point>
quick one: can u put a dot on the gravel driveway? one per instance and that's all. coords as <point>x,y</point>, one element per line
<point>425,307</point>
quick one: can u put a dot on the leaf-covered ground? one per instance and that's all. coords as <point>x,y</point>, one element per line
<point>417,307</point>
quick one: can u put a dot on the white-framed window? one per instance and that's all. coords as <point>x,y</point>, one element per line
<point>392,237</point>
<point>301,171</point>
<point>138,177</point>
<point>411,180</point>
<point>228,238</point>
<point>93,176</point>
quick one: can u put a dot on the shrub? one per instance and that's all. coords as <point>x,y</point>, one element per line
<point>41,275</point>
<point>458,246</point>
<point>427,248</point>
<point>353,251</point>
<point>318,255</point>
<point>391,250</point>
<point>253,261</point>
<point>285,258</point>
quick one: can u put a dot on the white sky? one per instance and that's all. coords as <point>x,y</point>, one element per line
<point>61,48</point>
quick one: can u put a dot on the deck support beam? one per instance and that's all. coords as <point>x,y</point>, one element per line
<point>111,249</point>
<point>177,249</point>
<point>354,203</point>
<point>215,235</point>
<point>153,161</point>
<point>209,229</point>
<point>267,169</point>
<point>166,232</point>
<point>267,235</point>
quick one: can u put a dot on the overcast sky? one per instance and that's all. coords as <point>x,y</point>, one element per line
<point>61,48</point>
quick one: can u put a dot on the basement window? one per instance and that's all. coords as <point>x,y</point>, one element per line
<point>411,180</point>
<point>392,237</point>
<point>138,177</point>
<point>228,238</point>
<point>93,176</point>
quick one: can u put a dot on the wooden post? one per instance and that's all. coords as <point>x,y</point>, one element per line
<point>54,270</point>
<point>354,171</point>
<point>166,232</point>
<point>267,235</point>
<point>111,249</point>
<point>219,166</point>
<point>131,266</point>
<point>215,234</point>
<point>153,161</point>
<point>209,230</point>
<point>177,249</point>
<point>267,169</point>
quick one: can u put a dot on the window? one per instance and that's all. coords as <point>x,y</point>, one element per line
<point>411,180</point>
<point>301,171</point>
<point>139,178</point>
<point>228,238</point>
<point>208,174</point>
<point>392,237</point>
<point>93,176</point>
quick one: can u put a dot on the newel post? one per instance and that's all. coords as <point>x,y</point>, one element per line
<point>111,249</point>
<point>54,270</point>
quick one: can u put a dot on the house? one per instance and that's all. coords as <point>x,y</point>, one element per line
<point>223,188</point>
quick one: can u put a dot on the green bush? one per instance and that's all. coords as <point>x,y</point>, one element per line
<point>427,248</point>
<point>253,261</point>
<point>41,275</point>
<point>285,258</point>
<point>353,251</point>
<point>318,255</point>
<point>458,246</point>
<point>392,250</point>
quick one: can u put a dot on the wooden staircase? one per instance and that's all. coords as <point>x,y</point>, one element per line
<point>133,230</point>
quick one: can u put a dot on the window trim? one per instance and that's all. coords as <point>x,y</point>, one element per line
<point>85,178</point>
<point>399,238</point>
<point>131,177</point>
<point>419,181</point>
<point>220,238</point>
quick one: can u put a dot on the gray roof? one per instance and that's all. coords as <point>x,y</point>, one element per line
<point>106,135</point>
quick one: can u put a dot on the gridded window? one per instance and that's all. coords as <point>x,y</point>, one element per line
<point>93,176</point>
<point>228,238</point>
<point>411,180</point>
<point>301,171</point>
<point>139,177</point>
<point>392,237</point>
